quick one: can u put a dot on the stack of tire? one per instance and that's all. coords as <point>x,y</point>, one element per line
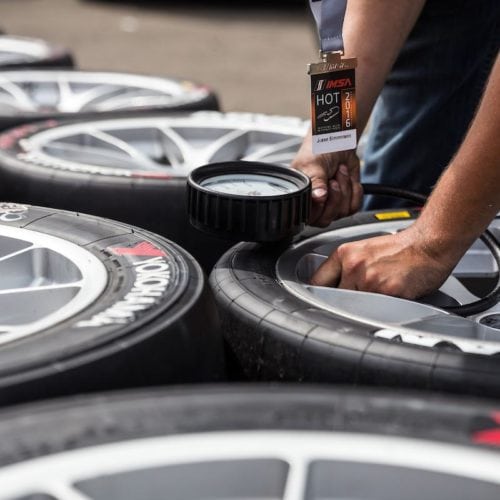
<point>87,303</point>
<point>121,146</point>
<point>116,306</point>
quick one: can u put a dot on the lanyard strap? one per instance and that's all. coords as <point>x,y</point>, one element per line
<point>329,16</point>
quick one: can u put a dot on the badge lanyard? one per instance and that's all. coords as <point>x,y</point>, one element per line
<point>333,95</point>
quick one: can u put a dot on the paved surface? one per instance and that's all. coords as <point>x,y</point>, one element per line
<point>254,54</point>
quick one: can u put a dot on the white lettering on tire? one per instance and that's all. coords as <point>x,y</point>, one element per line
<point>153,278</point>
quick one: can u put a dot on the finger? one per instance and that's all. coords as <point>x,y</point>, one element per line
<point>348,281</point>
<point>330,210</point>
<point>353,166</point>
<point>353,265</point>
<point>319,188</point>
<point>345,184</point>
<point>329,273</point>
<point>315,214</point>
<point>357,197</point>
<point>319,181</point>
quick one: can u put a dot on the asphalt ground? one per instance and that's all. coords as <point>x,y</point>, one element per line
<point>252,53</point>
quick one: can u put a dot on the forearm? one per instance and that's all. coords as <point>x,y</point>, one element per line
<point>467,196</point>
<point>374,32</point>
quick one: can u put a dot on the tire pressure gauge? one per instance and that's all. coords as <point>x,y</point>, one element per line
<point>249,201</point>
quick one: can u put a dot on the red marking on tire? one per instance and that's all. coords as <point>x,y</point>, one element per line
<point>490,437</point>
<point>6,141</point>
<point>144,249</point>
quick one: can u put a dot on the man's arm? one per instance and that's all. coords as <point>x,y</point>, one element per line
<point>418,260</point>
<point>374,32</point>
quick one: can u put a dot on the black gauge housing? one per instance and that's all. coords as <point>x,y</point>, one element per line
<point>247,217</point>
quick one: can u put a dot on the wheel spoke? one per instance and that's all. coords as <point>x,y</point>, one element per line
<point>477,261</point>
<point>7,100</point>
<point>295,487</point>
<point>67,99</point>
<point>286,148</point>
<point>65,492</point>
<point>132,97</point>
<point>39,288</point>
<point>186,155</point>
<point>167,153</point>
<point>134,153</point>
<point>17,252</point>
<point>42,304</point>
<point>456,290</point>
<point>231,146</point>
<point>23,100</point>
<point>370,307</point>
<point>83,99</point>
<point>90,154</point>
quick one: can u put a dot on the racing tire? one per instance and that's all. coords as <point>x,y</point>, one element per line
<point>250,443</point>
<point>18,52</point>
<point>34,95</point>
<point>276,334</point>
<point>149,196</point>
<point>90,304</point>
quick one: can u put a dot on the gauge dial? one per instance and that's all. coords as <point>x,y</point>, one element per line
<point>249,185</point>
<point>249,201</point>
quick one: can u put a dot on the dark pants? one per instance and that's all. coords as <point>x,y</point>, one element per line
<point>431,95</point>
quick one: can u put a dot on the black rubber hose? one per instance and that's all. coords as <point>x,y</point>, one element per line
<point>394,192</point>
<point>487,238</point>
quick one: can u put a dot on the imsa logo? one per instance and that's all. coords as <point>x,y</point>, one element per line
<point>320,84</point>
<point>339,83</point>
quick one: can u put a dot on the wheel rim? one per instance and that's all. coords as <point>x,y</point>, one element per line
<point>79,91</point>
<point>166,146</point>
<point>49,279</point>
<point>19,50</point>
<point>400,320</point>
<point>259,464</point>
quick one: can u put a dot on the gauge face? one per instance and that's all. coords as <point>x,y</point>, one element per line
<point>249,185</point>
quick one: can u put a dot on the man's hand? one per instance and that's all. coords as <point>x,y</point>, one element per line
<point>401,265</point>
<point>336,190</point>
